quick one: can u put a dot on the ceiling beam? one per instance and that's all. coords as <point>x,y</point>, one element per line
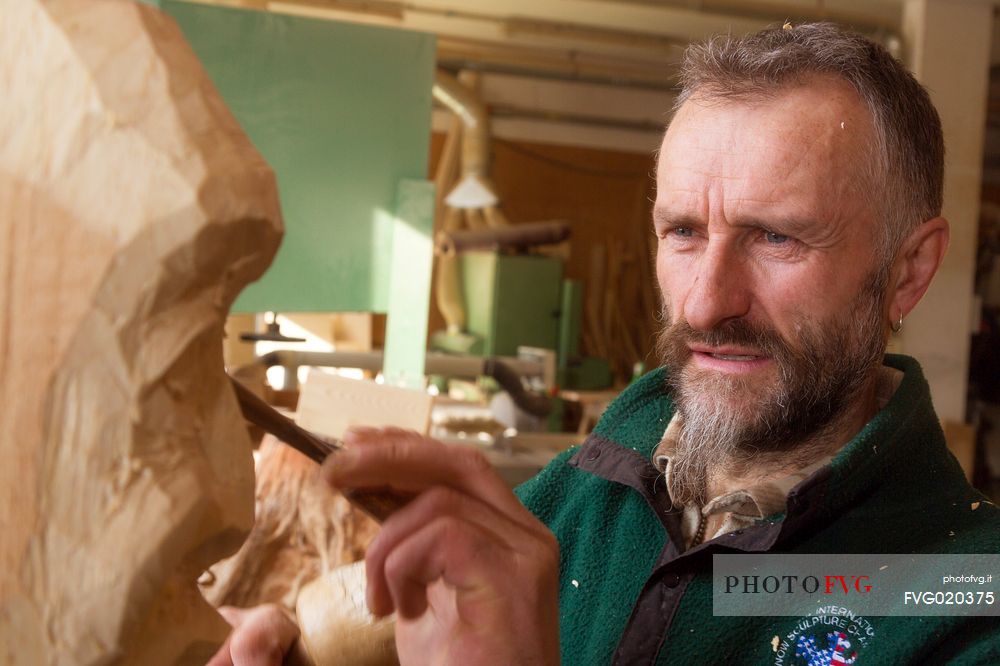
<point>561,64</point>
<point>881,16</point>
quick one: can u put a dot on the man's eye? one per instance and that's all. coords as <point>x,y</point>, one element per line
<point>774,238</point>
<point>683,232</point>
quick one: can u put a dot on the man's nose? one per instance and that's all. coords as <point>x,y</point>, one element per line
<point>720,290</point>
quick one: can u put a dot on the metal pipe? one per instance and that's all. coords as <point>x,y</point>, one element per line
<point>449,365</point>
<point>516,235</point>
<point>533,403</point>
<point>465,104</point>
<point>506,371</point>
<point>474,163</point>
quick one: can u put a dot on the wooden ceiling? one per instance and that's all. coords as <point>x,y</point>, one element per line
<point>632,42</point>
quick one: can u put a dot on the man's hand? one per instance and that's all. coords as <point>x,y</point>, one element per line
<point>261,636</point>
<point>471,573</point>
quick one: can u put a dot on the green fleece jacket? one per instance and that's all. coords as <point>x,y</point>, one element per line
<point>629,594</point>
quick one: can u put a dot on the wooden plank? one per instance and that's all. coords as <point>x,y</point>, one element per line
<point>330,404</point>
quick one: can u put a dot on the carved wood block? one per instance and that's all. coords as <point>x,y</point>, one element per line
<point>133,209</point>
<point>337,628</point>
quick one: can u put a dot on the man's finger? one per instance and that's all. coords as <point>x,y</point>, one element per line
<point>436,502</point>
<point>407,461</point>
<point>261,636</point>
<point>233,615</point>
<point>223,657</point>
<point>460,554</point>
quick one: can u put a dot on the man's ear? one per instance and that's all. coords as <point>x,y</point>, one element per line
<point>919,258</point>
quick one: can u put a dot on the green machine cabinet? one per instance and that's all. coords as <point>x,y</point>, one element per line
<point>511,301</point>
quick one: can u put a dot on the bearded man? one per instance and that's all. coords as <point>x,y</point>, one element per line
<point>798,205</point>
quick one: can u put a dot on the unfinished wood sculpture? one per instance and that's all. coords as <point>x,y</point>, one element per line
<point>303,529</point>
<point>133,209</point>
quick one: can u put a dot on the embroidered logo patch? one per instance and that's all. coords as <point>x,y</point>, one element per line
<point>831,636</point>
<point>838,652</point>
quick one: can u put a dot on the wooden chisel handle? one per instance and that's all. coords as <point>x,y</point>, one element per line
<point>378,503</point>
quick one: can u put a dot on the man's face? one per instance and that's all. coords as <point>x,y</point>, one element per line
<point>773,306</point>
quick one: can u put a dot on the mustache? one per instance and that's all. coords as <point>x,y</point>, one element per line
<point>737,332</point>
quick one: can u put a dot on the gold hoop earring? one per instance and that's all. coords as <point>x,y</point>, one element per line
<point>898,326</point>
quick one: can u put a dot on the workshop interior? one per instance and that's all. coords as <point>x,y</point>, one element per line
<point>427,214</point>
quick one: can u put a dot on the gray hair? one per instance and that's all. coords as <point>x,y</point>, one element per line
<point>905,170</point>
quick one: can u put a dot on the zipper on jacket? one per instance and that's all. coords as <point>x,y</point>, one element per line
<point>699,535</point>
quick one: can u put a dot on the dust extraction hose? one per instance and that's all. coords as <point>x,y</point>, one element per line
<point>510,381</point>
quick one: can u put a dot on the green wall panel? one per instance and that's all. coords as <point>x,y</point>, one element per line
<point>410,285</point>
<point>342,114</point>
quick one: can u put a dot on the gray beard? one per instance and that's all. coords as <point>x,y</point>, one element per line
<point>730,424</point>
